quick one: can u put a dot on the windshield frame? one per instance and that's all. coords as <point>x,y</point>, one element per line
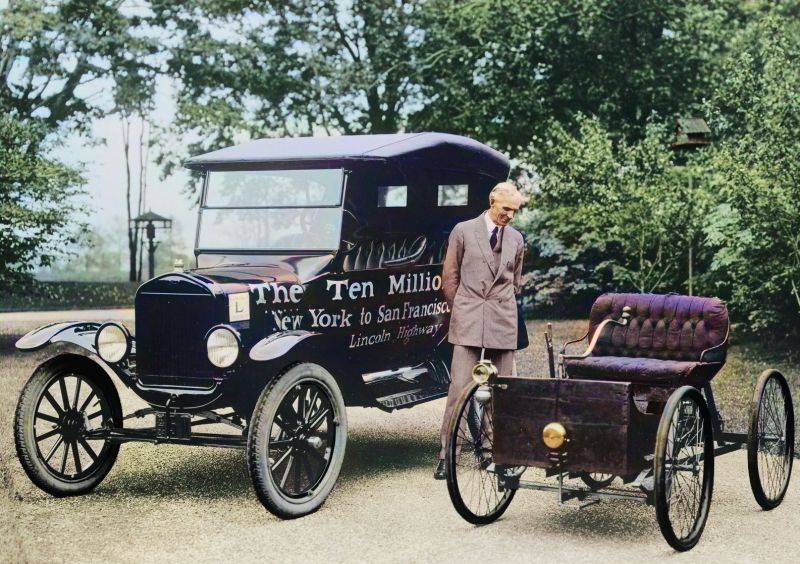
<point>345,174</point>
<point>207,176</point>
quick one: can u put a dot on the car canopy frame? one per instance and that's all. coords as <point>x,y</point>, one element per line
<point>436,150</point>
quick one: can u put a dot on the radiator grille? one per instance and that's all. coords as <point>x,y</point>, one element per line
<point>170,331</point>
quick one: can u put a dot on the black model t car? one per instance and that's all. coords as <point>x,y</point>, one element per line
<point>317,286</point>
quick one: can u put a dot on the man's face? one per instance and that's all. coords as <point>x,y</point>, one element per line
<point>503,208</point>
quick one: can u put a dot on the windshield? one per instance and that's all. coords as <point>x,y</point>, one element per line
<point>275,210</point>
<point>273,188</point>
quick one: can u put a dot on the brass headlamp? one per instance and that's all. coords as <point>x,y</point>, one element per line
<point>483,371</point>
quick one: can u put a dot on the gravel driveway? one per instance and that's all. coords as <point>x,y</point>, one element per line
<point>177,503</point>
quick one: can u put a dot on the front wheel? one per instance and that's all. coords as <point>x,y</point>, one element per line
<point>683,468</point>
<point>472,481</point>
<point>770,442</point>
<point>297,440</point>
<point>64,400</point>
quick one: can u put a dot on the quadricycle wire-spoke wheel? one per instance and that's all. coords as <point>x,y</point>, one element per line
<point>472,481</point>
<point>684,468</point>
<point>60,404</point>
<point>297,440</point>
<point>770,442</point>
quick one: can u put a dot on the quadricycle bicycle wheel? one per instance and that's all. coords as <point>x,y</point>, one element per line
<point>770,442</point>
<point>472,480</point>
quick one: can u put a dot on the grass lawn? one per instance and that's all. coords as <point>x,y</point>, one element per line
<point>46,296</point>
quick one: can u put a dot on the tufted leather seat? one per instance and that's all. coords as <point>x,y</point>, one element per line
<point>670,340</point>
<point>436,251</point>
<point>373,253</point>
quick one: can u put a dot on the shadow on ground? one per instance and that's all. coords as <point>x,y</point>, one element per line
<point>619,520</point>
<point>175,473</point>
<point>7,344</point>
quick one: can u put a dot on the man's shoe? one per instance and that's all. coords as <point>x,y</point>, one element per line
<point>440,473</point>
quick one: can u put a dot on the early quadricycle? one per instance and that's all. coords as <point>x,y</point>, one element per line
<point>635,406</point>
<point>317,286</point>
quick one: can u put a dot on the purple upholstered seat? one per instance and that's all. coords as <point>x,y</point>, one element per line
<point>670,340</point>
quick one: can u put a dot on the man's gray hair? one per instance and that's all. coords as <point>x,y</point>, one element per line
<point>509,189</point>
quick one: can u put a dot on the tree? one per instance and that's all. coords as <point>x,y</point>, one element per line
<point>608,215</point>
<point>294,67</point>
<point>50,51</point>
<point>55,58</point>
<point>505,71</point>
<point>133,104</point>
<point>37,204</point>
<point>756,229</point>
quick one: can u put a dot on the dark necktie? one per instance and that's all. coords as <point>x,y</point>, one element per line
<point>493,238</point>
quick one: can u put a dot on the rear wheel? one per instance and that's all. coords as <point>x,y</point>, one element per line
<point>297,440</point>
<point>472,481</point>
<point>61,402</point>
<point>770,442</point>
<point>683,468</point>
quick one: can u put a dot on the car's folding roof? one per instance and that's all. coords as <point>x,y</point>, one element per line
<point>441,149</point>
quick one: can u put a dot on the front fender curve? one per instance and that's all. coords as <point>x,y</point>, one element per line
<point>60,350</point>
<point>278,345</point>
<point>77,332</point>
<point>283,349</point>
<point>80,333</point>
<point>73,338</point>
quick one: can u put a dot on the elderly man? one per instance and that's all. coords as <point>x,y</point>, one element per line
<point>482,272</point>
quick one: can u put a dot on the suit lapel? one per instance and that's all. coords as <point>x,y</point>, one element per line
<point>479,230</point>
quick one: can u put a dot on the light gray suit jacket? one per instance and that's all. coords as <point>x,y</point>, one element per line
<point>481,298</point>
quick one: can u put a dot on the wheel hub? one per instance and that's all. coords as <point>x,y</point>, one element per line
<point>303,438</point>
<point>72,425</point>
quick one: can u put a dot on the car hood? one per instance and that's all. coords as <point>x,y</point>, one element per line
<point>234,278</point>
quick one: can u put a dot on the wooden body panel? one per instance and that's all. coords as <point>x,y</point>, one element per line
<point>605,430</point>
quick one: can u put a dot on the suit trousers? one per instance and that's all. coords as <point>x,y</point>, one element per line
<point>464,358</point>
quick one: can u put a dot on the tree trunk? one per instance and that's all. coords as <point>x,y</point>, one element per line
<point>132,231</point>
<point>142,189</point>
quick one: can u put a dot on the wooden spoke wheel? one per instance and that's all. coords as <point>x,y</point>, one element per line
<point>297,441</point>
<point>472,482</point>
<point>684,468</point>
<point>62,401</point>
<point>770,442</point>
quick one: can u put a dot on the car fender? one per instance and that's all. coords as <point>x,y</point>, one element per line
<point>75,332</point>
<point>278,345</point>
<point>72,338</point>
<point>289,347</point>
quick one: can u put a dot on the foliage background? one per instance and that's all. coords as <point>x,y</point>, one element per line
<point>582,94</point>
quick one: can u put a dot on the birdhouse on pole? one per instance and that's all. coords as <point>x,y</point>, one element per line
<point>691,133</point>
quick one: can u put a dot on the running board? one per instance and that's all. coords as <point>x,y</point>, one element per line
<point>410,398</point>
<point>408,374</point>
